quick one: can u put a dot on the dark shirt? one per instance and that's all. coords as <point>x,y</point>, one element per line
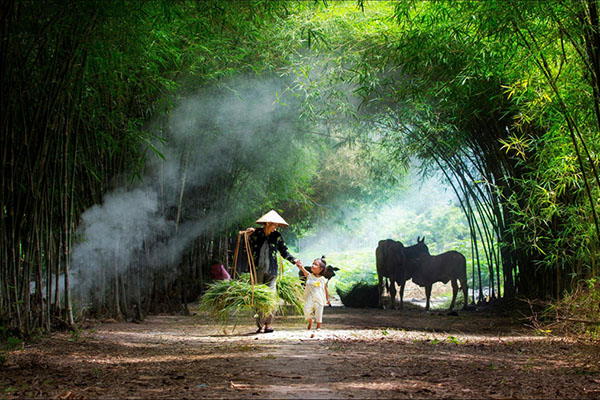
<point>275,243</point>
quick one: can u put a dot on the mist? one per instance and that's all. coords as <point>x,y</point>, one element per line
<point>223,149</point>
<point>395,219</point>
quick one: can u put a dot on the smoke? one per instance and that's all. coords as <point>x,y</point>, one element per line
<point>225,150</point>
<point>117,229</point>
<point>228,151</point>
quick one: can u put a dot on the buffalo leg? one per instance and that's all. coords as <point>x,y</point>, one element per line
<point>454,292</point>
<point>402,294</point>
<point>428,294</point>
<point>380,289</point>
<point>393,293</point>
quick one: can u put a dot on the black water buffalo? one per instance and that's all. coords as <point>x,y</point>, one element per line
<point>390,261</point>
<point>427,269</point>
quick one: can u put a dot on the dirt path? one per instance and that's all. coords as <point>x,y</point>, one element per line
<point>362,353</point>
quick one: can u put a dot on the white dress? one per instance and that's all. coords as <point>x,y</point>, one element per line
<point>315,297</point>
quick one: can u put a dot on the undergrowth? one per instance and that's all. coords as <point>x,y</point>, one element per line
<point>8,342</point>
<point>576,314</point>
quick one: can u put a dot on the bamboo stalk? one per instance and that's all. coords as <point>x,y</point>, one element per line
<point>67,237</point>
<point>38,278</point>
<point>4,295</point>
<point>15,264</point>
<point>26,292</point>
<point>117,309</point>
<point>185,161</point>
<point>124,302</point>
<point>49,266</point>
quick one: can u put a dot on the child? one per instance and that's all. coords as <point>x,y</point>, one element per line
<point>218,272</point>
<point>328,273</point>
<point>315,293</point>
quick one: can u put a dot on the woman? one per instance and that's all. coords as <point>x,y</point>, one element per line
<point>265,242</point>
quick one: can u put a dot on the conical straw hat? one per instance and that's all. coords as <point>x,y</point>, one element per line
<point>273,218</point>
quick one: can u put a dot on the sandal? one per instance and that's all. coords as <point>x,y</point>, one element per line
<point>259,330</point>
<point>269,330</point>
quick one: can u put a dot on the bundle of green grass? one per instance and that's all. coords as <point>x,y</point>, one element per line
<point>225,300</point>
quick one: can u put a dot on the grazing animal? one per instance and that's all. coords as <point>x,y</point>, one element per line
<point>427,269</point>
<point>391,261</point>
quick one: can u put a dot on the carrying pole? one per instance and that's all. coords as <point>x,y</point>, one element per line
<point>251,265</point>
<point>235,256</point>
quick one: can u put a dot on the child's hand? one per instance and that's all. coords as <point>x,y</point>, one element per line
<point>299,264</point>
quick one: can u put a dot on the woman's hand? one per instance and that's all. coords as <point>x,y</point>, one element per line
<point>301,268</point>
<point>250,230</point>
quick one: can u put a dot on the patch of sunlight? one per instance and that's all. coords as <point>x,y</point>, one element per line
<point>378,385</point>
<point>169,358</point>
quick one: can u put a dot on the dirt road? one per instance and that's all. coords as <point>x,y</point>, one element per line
<point>361,353</point>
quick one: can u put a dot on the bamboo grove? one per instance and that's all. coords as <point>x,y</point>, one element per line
<point>535,195</point>
<point>141,112</point>
<point>499,96</point>
<point>81,84</point>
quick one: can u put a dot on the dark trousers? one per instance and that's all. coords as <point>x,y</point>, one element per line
<point>271,282</point>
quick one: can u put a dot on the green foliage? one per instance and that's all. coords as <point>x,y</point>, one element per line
<point>344,183</point>
<point>576,313</point>
<point>225,300</point>
<point>355,267</point>
<point>459,297</point>
<point>75,334</point>
<point>12,343</point>
<point>422,87</point>
<point>88,82</point>
<point>501,96</point>
<point>443,227</point>
<point>290,292</point>
<point>454,339</point>
<point>454,82</point>
<point>8,343</point>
